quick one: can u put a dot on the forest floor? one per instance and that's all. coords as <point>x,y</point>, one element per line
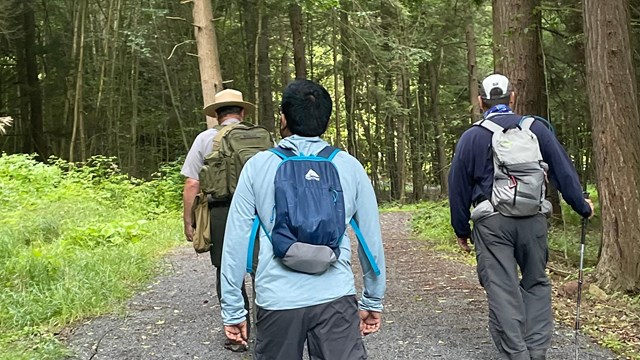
<point>434,309</point>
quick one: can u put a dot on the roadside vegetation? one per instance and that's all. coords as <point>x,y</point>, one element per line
<point>75,242</point>
<point>612,320</point>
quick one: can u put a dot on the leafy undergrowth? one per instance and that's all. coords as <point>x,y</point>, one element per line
<point>611,320</point>
<point>75,242</point>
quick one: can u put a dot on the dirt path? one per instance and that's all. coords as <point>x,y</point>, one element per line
<point>434,309</point>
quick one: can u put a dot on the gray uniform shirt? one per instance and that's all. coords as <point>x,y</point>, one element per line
<point>201,147</point>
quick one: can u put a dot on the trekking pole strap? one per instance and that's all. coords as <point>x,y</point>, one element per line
<point>364,246</point>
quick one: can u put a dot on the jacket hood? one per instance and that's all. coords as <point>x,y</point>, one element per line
<point>303,145</point>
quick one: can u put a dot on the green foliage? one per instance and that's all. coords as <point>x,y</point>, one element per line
<point>75,241</point>
<point>432,222</point>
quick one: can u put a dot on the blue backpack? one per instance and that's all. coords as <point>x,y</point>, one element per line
<point>309,213</point>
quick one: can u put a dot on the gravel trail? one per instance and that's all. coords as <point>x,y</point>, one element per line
<point>434,309</point>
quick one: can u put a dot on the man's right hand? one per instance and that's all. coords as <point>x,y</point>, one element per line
<point>464,244</point>
<point>188,232</point>
<point>593,211</point>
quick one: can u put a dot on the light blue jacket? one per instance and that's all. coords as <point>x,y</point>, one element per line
<point>278,287</point>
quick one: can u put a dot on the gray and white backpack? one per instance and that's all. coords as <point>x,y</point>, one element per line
<point>519,174</point>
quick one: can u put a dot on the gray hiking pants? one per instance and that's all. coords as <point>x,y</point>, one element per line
<point>331,330</point>
<point>520,317</point>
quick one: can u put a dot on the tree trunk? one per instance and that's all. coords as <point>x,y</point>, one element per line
<point>518,55</point>
<point>336,84</point>
<point>250,14</point>
<point>295,19</point>
<point>441,168</point>
<point>612,92</point>
<point>265,103</point>
<point>33,84</point>
<point>207,43</point>
<point>517,52</point>
<point>418,148</point>
<point>347,75</point>
<point>390,149</point>
<point>470,37</point>
<point>78,120</point>
<point>402,92</point>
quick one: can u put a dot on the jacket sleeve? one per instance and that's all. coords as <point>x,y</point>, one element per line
<point>368,220</point>
<point>236,248</point>
<point>461,186</point>
<point>561,170</point>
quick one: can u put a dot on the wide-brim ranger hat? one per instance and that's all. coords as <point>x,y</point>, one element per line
<point>228,97</point>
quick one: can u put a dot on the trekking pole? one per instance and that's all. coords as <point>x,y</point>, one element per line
<point>583,236</point>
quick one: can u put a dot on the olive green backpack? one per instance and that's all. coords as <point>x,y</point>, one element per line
<point>233,145</point>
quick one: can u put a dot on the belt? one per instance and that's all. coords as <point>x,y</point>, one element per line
<point>215,203</point>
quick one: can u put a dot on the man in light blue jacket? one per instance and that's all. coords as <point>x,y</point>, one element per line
<point>295,307</point>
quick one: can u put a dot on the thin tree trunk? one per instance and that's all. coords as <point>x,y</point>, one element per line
<point>434,74</point>
<point>174,100</point>
<point>295,19</point>
<point>208,59</point>
<point>612,89</point>
<point>135,68</point>
<point>34,90</point>
<point>472,68</point>
<point>336,86</point>
<point>78,123</point>
<point>265,111</point>
<point>401,94</point>
<point>347,75</point>
<point>250,14</point>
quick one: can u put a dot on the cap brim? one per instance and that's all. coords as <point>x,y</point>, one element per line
<point>210,110</point>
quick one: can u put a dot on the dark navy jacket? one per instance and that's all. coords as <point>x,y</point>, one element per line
<point>471,175</point>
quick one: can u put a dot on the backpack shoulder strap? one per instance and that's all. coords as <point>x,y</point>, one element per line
<point>526,122</point>
<point>282,152</point>
<point>365,247</point>
<point>222,131</point>
<point>544,121</point>
<point>329,152</point>
<point>489,125</point>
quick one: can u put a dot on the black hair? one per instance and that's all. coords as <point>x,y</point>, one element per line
<point>228,110</point>
<point>307,107</point>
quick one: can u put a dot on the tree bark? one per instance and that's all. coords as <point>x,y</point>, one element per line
<point>470,37</point>
<point>434,75</point>
<point>612,92</point>
<point>347,75</point>
<point>517,52</point>
<point>336,83</point>
<point>295,19</point>
<point>265,103</point>
<point>518,55</point>
<point>33,83</point>
<point>208,56</point>
<point>78,112</point>
<point>250,14</point>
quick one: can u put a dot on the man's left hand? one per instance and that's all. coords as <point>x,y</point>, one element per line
<point>369,322</point>
<point>237,333</point>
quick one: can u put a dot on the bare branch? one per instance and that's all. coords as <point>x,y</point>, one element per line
<point>175,47</point>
